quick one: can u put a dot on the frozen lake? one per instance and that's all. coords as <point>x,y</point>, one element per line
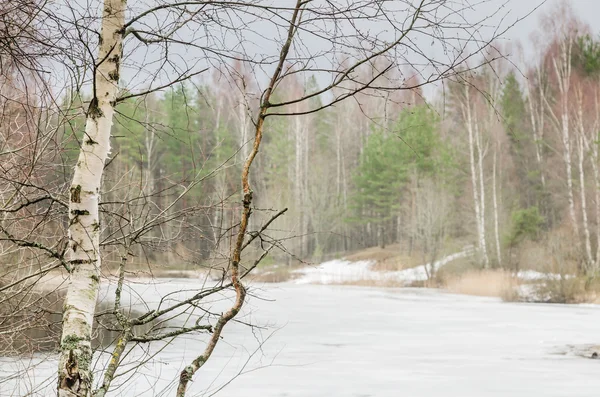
<point>359,342</point>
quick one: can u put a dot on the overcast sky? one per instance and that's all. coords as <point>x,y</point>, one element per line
<point>587,10</point>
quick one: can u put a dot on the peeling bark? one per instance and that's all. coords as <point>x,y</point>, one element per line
<point>74,371</point>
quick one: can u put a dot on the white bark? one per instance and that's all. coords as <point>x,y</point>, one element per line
<point>301,162</point>
<point>150,144</point>
<point>243,123</point>
<point>495,203</point>
<point>537,125</point>
<point>466,108</point>
<point>594,151</point>
<point>587,143</point>
<point>480,156</point>
<point>562,68</point>
<point>586,229</point>
<point>74,371</point>
<point>597,202</point>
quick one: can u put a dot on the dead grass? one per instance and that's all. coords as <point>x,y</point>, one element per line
<point>494,283</point>
<point>374,253</point>
<point>275,274</point>
<point>569,290</point>
<point>389,259</point>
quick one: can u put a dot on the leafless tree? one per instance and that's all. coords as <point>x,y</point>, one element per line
<point>119,52</point>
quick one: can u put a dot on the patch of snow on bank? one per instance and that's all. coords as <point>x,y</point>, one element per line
<point>532,275</point>
<point>340,271</point>
<point>335,272</point>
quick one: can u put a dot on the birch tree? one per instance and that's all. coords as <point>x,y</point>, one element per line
<point>75,378</point>
<point>121,46</point>
<point>476,154</point>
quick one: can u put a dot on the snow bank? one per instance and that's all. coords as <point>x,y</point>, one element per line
<point>342,271</point>
<point>336,271</point>
<point>532,275</point>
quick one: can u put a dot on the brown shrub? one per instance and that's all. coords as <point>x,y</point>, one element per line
<point>496,283</point>
<point>275,274</point>
<point>569,289</point>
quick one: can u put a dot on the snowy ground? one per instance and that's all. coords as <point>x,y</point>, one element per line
<point>340,271</point>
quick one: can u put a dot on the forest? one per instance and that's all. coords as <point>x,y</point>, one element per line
<point>144,141</point>
<point>504,158</point>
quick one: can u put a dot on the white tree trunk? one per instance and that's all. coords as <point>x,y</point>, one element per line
<point>568,164</point>
<point>495,202</point>
<point>597,203</point>
<point>537,126</point>
<point>74,370</point>
<point>589,144</point>
<point>243,126</point>
<point>586,229</point>
<point>563,74</point>
<point>150,148</point>
<point>474,178</point>
<point>299,133</point>
<point>594,150</point>
<point>480,156</point>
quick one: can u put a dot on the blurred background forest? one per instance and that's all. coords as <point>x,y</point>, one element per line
<point>504,159</point>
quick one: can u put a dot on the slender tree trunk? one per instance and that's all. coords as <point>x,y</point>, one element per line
<point>305,194</point>
<point>150,147</point>
<point>495,203</point>
<point>595,172</point>
<point>563,74</point>
<point>568,164</point>
<point>537,127</point>
<point>243,124</point>
<point>299,180</point>
<point>474,178</point>
<point>74,368</point>
<point>480,156</point>
<point>594,150</point>
<point>586,229</point>
<point>584,145</point>
<point>597,203</point>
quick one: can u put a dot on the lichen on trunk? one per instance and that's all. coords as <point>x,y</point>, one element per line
<point>74,371</point>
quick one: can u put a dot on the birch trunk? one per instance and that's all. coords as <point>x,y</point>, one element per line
<point>562,69</point>
<point>74,368</point>
<point>243,120</point>
<point>299,180</point>
<point>597,202</point>
<point>586,229</point>
<point>495,202</point>
<point>568,165</point>
<point>480,155</point>
<point>594,150</point>
<point>474,177</point>
<point>589,143</point>
<point>537,126</point>
<point>150,147</point>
